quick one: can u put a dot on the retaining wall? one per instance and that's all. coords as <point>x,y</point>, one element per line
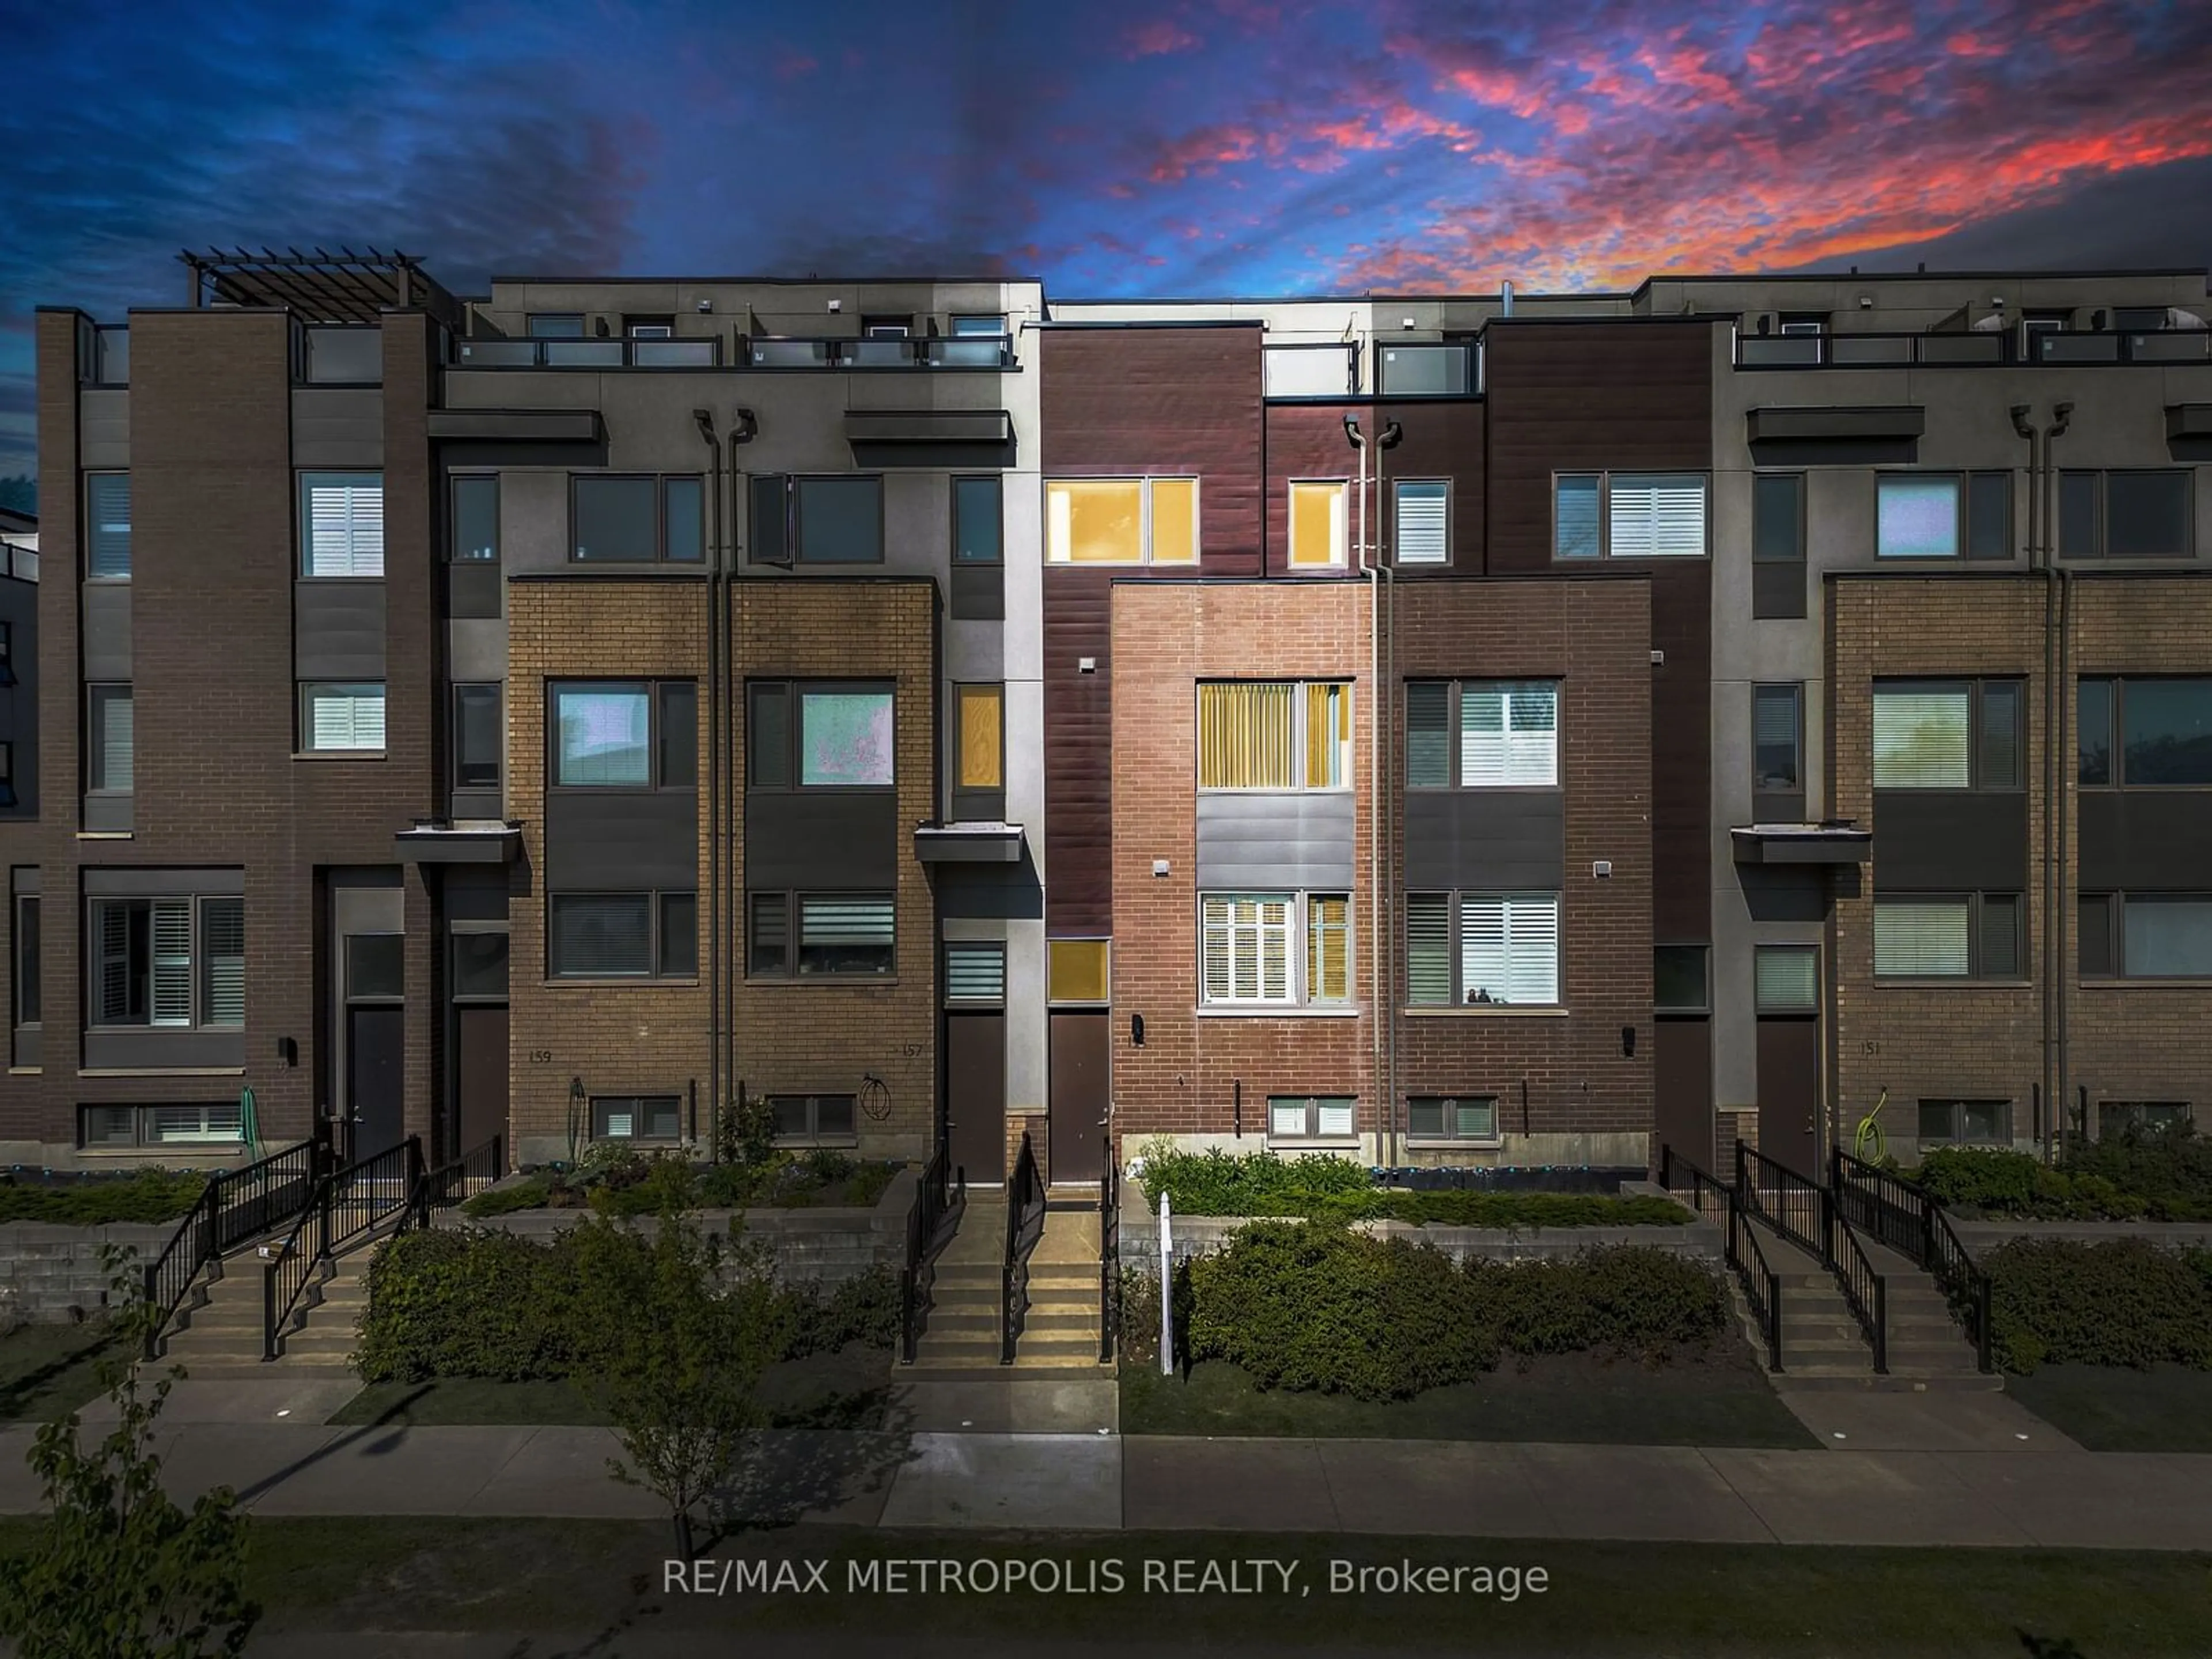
<point>51,1274</point>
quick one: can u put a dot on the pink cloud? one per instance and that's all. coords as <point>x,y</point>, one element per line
<point>1159,38</point>
<point>795,65</point>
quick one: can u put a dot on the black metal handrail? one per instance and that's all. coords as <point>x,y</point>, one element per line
<point>1794,1206</point>
<point>1024,1199</point>
<point>458,1178</point>
<point>939,1198</point>
<point>1109,1257</point>
<point>1906,1217</point>
<point>341,1206</point>
<point>1762,1285</point>
<point>1866,1293</point>
<point>234,1207</point>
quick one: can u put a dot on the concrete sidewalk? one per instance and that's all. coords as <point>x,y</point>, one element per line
<point>1084,1483</point>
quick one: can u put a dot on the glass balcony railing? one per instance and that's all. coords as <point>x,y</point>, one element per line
<point>342,356</point>
<point>990,351</point>
<point>104,353</point>
<point>1429,371</point>
<point>2052,348</point>
<point>1328,370</point>
<point>588,354</point>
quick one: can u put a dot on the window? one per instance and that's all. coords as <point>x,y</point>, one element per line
<point>828,520</point>
<point>1278,735</point>
<point>1629,515</point>
<point>840,935</point>
<point>342,523</point>
<point>980,722</point>
<point>1121,520</point>
<point>478,743</point>
<point>818,1118</point>
<point>623,936</point>
<point>1777,738</point>
<point>1077,970</point>
<point>1786,979</point>
<point>1943,515</point>
<point>1678,979</point>
<point>1317,522</point>
<point>1452,1117</point>
<point>2165,729</point>
<point>7,774</point>
<point>1778,517</point>
<point>1421,509</point>
<point>2142,1117</point>
<point>1947,936</point>
<point>2123,515</point>
<point>109,746</point>
<point>974,972</point>
<point>375,966</point>
<point>1253,949</point>
<point>968,327</point>
<point>1931,734</point>
<point>25,955</point>
<point>2146,936</point>
<point>1797,324</point>
<point>978,521</point>
<point>649,328</point>
<point>108,525</point>
<point>1482,734</point>
<point>7,651</point>
<point>214,1123</point>
<point>1972,1121</point>
<point>167,962</point>
<point>637,1117</point>
<point>476,518</point>
<point>480,963</point>
<point>339,718</point>
<point>557,325</point>
<point>1309,1117</point>
<point>638,520</point>
<point>1481,949</point>
<point>844,735</point>
<point>625,735</point>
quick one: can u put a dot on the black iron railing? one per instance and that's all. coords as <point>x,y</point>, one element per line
<point>1865,1292</point>
<point>1715,1200</point>
<point>460,1178</point>
<point>1109,1257</point>
<point>344,1206</point>
<point>1794,1206</point>
<point>938,1201</point>
<point>235,1205</point>
<point>1025,1204</point>
<point>1905,1215</point>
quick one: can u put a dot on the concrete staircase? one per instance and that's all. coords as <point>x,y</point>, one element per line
<point>1823,1347</point>
<point>219,1330</point>
<point>1060,1332</point>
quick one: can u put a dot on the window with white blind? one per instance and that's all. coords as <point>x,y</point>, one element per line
<point>1947,936</point>
<point>1786,979</point>
<point>974,972</point>
<point>1948,734</point>
<point>1479,950</point>
<point>110,738</point>
<point>1275,949</point>
<point>1317,522</point>
<point>1284,734</point>
<point>1421,509</point>
<point>1452,1117</point>
<point>1482,734</point>
<point>1311,1117</point>
<point>209,1123</point>
<point>637,1117</point>
<point>342,523</point>
<point>108,525</point>
<point>1629,515</point>
<point>338,719</point>
<point>820,935</point>
<point>176,963</point>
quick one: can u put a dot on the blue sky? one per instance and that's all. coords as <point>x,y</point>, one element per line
<point>1247,146</point>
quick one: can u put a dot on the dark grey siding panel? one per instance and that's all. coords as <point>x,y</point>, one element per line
<point>107,631</point>
<point>990,892</point>
<point>475,893</point>
<point>474,590</point>
<point>107,814</point>
<point>1486,838</point>
<point>143,1048</point>
<point>162,884</point>
<point>2145,838</point>
<point>476,804</point>
<point>1949,840</point>
<point>103,429</point>
<point>1778,808</point>
<point>979,593</point>
<point>621,841</point>
<point>979,805</point>
<point>339,630</point>
<point>1777,590</point>
<point>335,427</point>
<point>1276,842</point>
<point>821,839</point>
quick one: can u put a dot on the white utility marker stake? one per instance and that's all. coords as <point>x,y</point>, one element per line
<point>1167,1289</point>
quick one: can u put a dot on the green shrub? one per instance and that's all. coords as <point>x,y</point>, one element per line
<point>1470,1208</point>
<point>864,1309</point>
<point>2120,1301</point>
<point>868,1184</point>
<point>1979,1177</point>
<point>1215,1182</point>
<point>530,1194</point>
<point>2162,1173</point>
<point>451,1303</point>
<point>657,1186</point>
<point>1622,1298</point>
<point>149,1196</point>
<point>2171,1168</point>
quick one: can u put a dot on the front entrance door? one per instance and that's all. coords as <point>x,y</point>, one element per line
<point>1080,1093</point>
<point>976,1096</point>
<point>1790,1091</point>
<point>479,1074</point>
<point>375,1056</point>
<point>1682,1082</point>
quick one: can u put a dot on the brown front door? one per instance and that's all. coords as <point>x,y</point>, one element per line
<point>976,1096</point>
<point>1682,1085</point>
<point>479,1075</point>
<point>1080,1092</point>
<point>375,1054</point>
<point>1790,1091</point>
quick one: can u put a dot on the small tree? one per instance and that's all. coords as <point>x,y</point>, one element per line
<point>119,1571</point>
<point>673,1335</point>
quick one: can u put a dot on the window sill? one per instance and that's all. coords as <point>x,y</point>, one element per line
<point>1488,1011</point>
<point>1278,1010</point>
<point>2146,982</point>
<point>1303,1144</point>
<point>349,576</point>
<point>802,1143</point>
<point>1953,983</point>
<point>1495,1144</point>
<point>105,834</point>
<point>815,981</point>
<point>635,981</point>
<point>1121,564</point>
<point>165,1149</point>
<point>162,1071</point>
<point>26,1071</point>
<point>338,754</point>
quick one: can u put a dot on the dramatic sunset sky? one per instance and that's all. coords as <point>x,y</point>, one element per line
<point>1152,147</point>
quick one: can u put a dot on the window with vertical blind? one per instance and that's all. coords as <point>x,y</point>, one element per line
<point>2146,935</point>
<point>1786,979</point>
<point>1311,1117</point>
<point>337,719</point>
<point>1121,520</point>
<point>1949,734</point>
<point>1629,515</point>
<point>1286,949</point>
<point>1949,936</point>
<point>1420,512</point>
<point>108,525</point>
<point>1318,535</point>
<point>1452,1117</point>
<point>1778,737</point>
<point>110,743</point>
<point>1479,950</point>
<point>177,963</point>
<point>342,523</point>
<point>1482,734</point>
<point>1278,735</point>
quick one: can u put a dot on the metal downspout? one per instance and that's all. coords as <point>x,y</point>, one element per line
<point>2047,958</point>
<point>706,421</point>
<point>2063,792</point>
<point>744,426</point>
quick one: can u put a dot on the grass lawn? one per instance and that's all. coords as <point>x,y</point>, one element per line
<point>47,1369</point>
<point>846,1390</point>
<point>1721,1400</point>
<point>2167,1409</point>
<point>590,1582</point>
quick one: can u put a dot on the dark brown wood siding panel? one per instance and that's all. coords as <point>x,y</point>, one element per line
<point>1307,440</point>
<point>1079,797</point>
<point>1681,750</point>
<point>1163,400</point>
<point>1441,440</point>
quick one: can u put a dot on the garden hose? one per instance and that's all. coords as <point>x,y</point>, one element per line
<point>1869,1146</point>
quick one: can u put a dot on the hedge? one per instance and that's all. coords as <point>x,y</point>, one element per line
<point>2158,1175</point>
<point>1324,1188</point>
<point>490,1304</point>
<point>2117,1302</point>
<point>1313,1306</point>
<point>148,1196</point>
<point>640,1186</point>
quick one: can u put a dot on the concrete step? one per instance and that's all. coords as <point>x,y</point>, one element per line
<point>962,1321</point>
<point>1813,1380</point>
<point>1038,1321</point>
<point>1051,1345</point>
<point>959,1294</point>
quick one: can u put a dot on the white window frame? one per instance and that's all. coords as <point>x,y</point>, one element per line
<point>1608,510</point>
<point>1442,525</point>
<point>1449,1136</point>
<point>181,971</point>
<point>1313,1133</point>
<point>1458,737</point>
<point>1296,926</point>
<point>1299,780</point>
<point>603,1112</point>
<point>1522,918</point>
<point>1340,524</point>
<point>218,1123</point>
<point>358,515</point>
<point>355,695</point>
<point>1058,550</point>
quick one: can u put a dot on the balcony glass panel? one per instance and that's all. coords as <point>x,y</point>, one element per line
<point>2054,347</point>
<point>1433,371</point>
<point>1309,371</point>
<point>881,352</point>
<point>1763,349</point>
<point>790,354</point>
<point>1961,347</point>
<point>498,354</point>
<point>673,353</point>
<point>111,356</point>
<point>344,356</point>
<point>581,354</point>
<point>976,351</point>
<point>1866,349</point>
<point>2170,346</point>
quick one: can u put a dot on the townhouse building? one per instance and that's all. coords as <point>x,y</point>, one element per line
<point>1491,729</point>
